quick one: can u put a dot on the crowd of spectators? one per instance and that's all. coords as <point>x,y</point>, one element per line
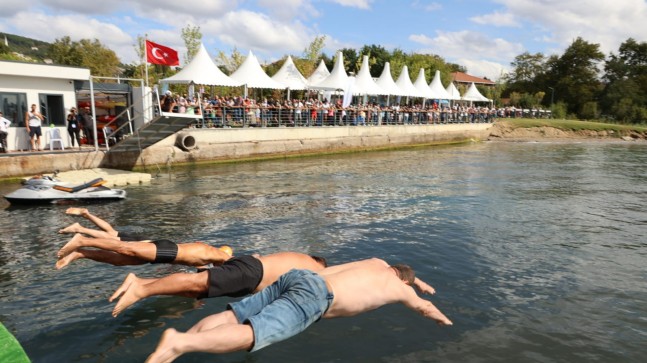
<point>238,111</point>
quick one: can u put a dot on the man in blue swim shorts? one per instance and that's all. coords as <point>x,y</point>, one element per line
<point>295,301</point>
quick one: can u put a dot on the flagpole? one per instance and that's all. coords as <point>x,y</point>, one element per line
<point>146,57</point>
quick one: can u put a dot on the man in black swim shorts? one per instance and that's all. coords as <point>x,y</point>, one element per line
<point>119,253</point>
<point>107,231</point>
<point>238,276</point>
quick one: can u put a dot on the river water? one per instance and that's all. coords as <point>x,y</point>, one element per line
<point>538,252</point>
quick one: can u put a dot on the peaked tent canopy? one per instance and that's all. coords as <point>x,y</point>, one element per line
<point>387,83</point>
<point>437,89</point>
<point>337,80</point>
<point>404,83</point>
<point>290,77</point>
<point>319,74</point>
<point>474,95</point>
<point>452,91</point>
<point>421,84</point>
<point>364,83</point>
<point>202,70</point>
<point>252,75</point>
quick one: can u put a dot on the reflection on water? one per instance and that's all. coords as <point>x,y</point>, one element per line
<point>537,252</point>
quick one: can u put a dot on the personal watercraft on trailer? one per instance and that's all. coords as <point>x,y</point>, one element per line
<point>42,190</point>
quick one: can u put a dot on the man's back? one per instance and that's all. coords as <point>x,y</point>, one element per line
<point>369,284</point>
<point>277,264</point>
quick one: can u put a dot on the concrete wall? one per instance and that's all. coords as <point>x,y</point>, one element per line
<point>248,143</point>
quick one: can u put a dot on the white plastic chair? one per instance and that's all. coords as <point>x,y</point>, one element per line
<point>55,136</point>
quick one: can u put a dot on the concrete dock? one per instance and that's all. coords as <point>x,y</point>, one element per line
<point>113,177</point>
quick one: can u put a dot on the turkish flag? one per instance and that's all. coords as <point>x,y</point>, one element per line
<point>159,54</point>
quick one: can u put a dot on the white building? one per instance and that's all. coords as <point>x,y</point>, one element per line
<point>51,87</point>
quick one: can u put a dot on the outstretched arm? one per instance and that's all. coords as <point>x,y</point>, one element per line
<point>423,307</point>
<point>423,287</point>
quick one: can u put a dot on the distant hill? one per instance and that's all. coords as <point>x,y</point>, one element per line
<point>35,49</point>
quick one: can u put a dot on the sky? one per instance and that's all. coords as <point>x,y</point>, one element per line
<point>484,36</point>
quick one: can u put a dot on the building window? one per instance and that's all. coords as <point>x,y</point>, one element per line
<point>14,106</point>
<point>51,106</point>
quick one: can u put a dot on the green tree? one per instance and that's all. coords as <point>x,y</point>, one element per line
<point>527,69</point>
<point>192,39</point>
<point>86,53</point>
<point>576,76</point>
<point>230,63</point>
<point>350,60</point>
<point>377,57</point>
<point>311,56</point>
<point>625,94</point>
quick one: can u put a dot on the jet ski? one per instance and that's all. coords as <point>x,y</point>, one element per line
<point>52,191</point>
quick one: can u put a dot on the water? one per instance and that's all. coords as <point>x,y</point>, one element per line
<point>537,251</point>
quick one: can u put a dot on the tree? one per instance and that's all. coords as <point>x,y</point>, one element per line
<point>86,53</point>
<point>230,63</point>
<point>350,60</point>
<point>575,75</point>
<point>526,69</point>
<point>192,39</point>
<point>625,95</point>
<point>377,57</point>
<point>311,56</point>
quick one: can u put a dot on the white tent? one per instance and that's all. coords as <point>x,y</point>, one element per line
<point>421,84</point>
<point>290,77</point>
<point>319,74</point>
<point>404,83</point>
<point>474,95</point>
<point>364,83</point>
<point>387,83</point>
<point>202,70</point>
<point>252,75</point>
<point>437,89</point>
<point>452,91</point>
<point>337,80</point>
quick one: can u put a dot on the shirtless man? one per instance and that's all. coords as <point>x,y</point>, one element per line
<point>295,301</point>
<point>118,253</point>
<point>238,276</point>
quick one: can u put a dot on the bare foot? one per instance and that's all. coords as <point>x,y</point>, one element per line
<point>165,351</point>
<point>72,228</point>
<point>73,256</point>
<point>70,246</point>
<point>129,292</point>
<point>124,286</point>
<point>77,211</point>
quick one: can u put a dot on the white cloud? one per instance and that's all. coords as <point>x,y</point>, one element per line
<point>434,6</point>
<point>596,21</point>
<point>497,19</point>
<point>468,44</point>
<point>250,30</point>
<point>482,68</point>
<point>361,4</point>
<point>286,10</point>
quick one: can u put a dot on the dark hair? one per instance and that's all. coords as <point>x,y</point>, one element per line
<point>321,260</point>
<point>405,273</point>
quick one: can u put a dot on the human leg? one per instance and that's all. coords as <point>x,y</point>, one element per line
<point>133,289</point>
<point>145,251</point>
<point>83,212</point>
<point>109,257</point>
<point>223,339</point>
<point>77,228</point>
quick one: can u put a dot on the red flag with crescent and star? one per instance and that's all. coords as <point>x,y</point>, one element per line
<point>159,54</point>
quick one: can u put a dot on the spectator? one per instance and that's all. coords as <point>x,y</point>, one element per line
<point>4,131</point>
<point>33,122</point>
<point>74,127</point>
<point>88,125</point>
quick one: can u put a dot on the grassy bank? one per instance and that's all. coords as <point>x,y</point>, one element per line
<point>572,125</point>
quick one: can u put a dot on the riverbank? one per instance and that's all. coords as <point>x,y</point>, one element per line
<point>539,129</point>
